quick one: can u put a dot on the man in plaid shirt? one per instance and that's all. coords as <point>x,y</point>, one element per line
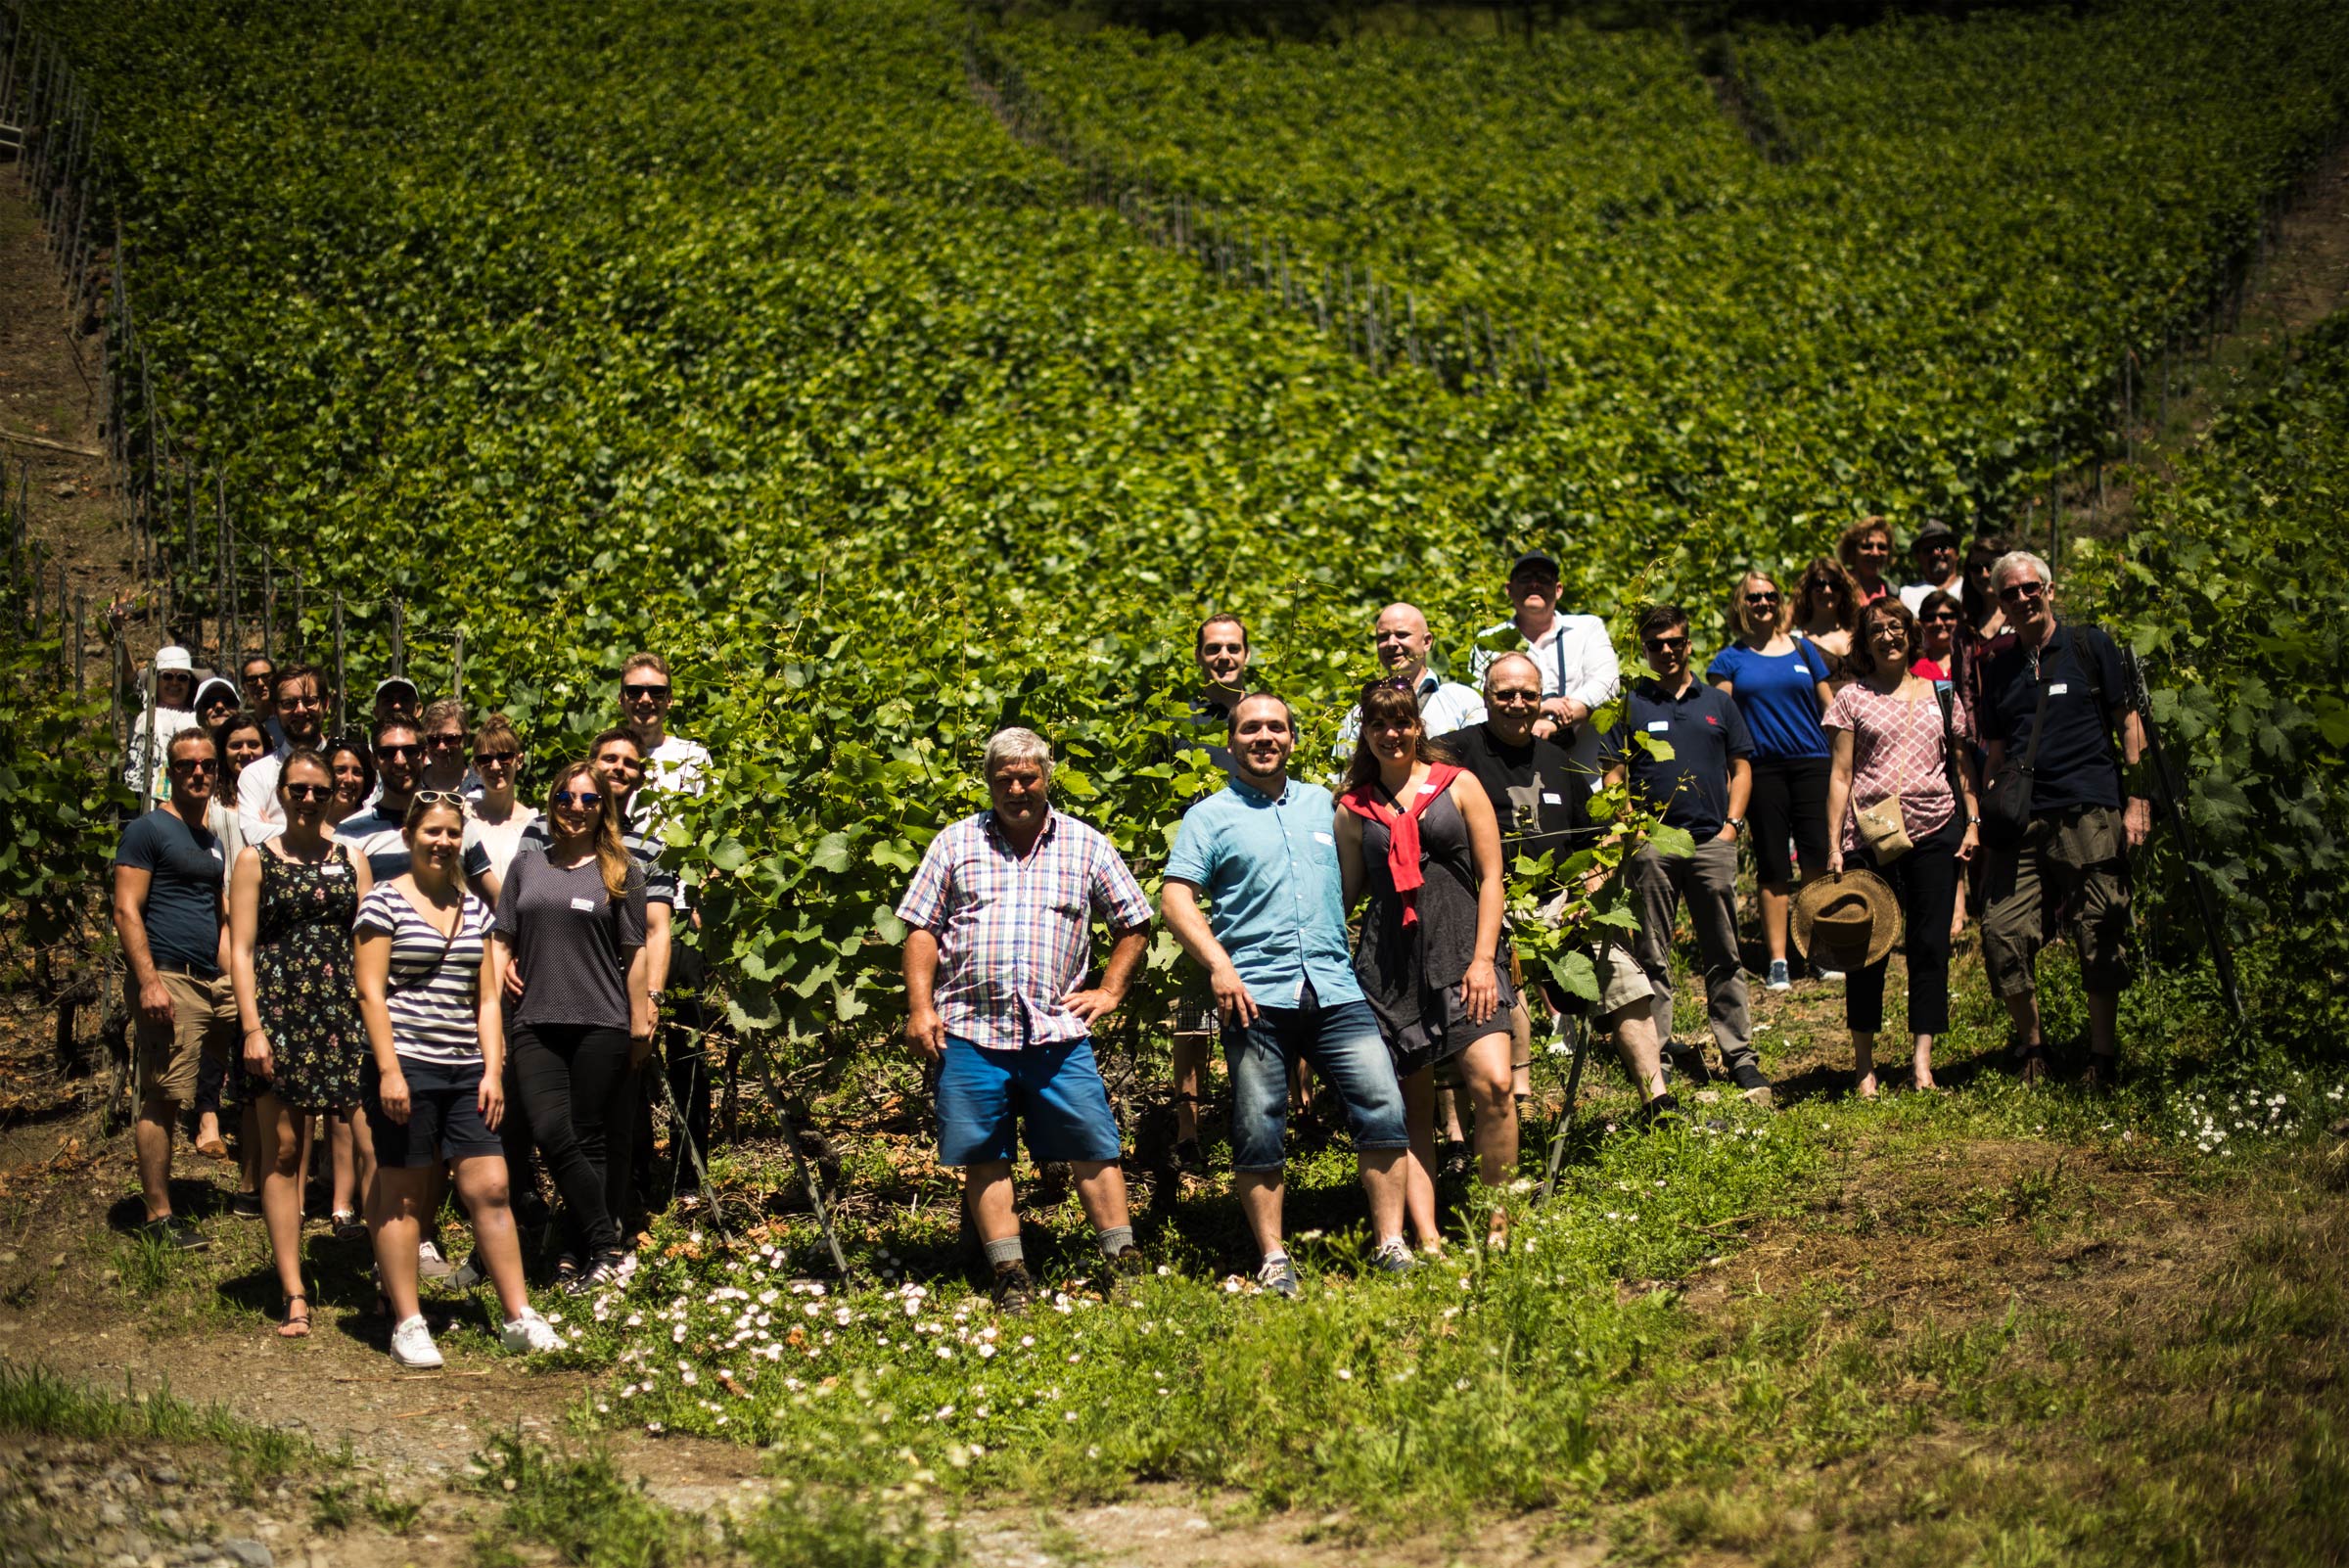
<point>1001,914</point>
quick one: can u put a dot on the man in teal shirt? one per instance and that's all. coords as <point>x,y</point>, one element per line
<point>1263,851</point>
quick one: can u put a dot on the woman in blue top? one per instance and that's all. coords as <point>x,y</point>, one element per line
<point>1779,683</point>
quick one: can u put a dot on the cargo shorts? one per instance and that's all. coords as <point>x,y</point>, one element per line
<point>170,1055</point>
<point>2070,873</point>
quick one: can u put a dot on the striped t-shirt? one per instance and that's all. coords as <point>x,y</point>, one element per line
<point>432,999</point>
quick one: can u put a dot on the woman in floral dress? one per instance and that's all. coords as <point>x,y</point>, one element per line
<point>291,902</point>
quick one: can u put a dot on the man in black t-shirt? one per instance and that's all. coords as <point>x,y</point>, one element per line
<point>166,896</point>
<point>1221,648</point>
<point>2085,820</point>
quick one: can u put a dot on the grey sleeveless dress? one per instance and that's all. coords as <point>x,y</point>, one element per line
<point>1413,977</point>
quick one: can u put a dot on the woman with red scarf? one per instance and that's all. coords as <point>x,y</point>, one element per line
<point>1417,832</point>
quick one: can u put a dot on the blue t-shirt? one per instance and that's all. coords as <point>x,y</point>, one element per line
<point>1777,697</point>
<point>1270,869</point>
<point>183,899</point>
<point>1706,735</point>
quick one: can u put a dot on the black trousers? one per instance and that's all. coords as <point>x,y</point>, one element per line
<point>1789,813</point>
<point>1927,879</point>
<point>684,1051</point>
<point>579,1091</point>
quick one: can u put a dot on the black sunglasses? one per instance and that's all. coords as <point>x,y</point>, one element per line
<point>634,692</point>
<point>484,758</point>
<point>193,764</point>
<point>1662,643</point>
<point>445,743</point>
<point>307,791</point>
<point>1760,599</point>
<point>397,751</point>
<point>578,797</point>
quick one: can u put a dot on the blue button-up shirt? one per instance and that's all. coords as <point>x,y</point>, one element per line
<point>1270,869</point>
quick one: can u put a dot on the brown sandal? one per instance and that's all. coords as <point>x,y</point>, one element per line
<point>290,1327</point>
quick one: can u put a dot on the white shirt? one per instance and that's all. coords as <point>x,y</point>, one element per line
<point>499,841</point>
<point>1577,660</point>
<point>1916,593</point>
<point>677,765</point>
<point>1443,706</point>
<point>257,813</point>
<point>148,762</point>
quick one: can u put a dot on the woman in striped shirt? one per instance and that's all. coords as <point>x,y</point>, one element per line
<point>436,1092</point>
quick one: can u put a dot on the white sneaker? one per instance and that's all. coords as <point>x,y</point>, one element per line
<point>532,1334</point>
<point>430,1264</point>
<point>412,1345</point>
<point>1832,974</point>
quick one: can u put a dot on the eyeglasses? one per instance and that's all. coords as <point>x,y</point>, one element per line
<point>579,798</point>
<point>2017,592</point>
<point>1663,644</point>
<point>499,758</point>
<point>1514,694</point>
<point>1760,599</point>
<point>633,693</point>
<point>437,797</point>
<point>307,791</point>
<point>1207,648</point>
<point>445,743</point>
<point>193,764</point>
<point>299,700</point>
<point>399,751</point>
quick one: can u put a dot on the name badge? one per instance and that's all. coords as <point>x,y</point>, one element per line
<point>334,868</point>
<point>585,905</point>
<point>1657,726</point>
<point>1551,797</point>
<point>1323,838</point>
<point>2060,688</point>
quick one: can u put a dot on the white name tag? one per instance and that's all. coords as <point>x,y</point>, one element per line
<point>1549,798</point>
<point>2060,688</point>
<point>585,905</point>
<point>334,868</point>
<point>1657,726</point>
<point>1323,838</point>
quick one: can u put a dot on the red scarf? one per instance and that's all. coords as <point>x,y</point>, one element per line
<point>1402,830</point>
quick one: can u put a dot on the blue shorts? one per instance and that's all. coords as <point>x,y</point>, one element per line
<point>444,1115</point>
<point>1054,1090</point>
<point>1344,1046</point>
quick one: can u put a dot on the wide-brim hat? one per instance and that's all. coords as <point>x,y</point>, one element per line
<point>172,660</point>
<point>1847,921</point>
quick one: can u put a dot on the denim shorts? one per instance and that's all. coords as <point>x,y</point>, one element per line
<point>445,1116</point>
<point>1053,1091</point>
<point>1344,1046</point>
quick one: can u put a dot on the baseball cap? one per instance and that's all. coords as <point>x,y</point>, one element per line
<point>172,657</point>
<point>1532,559</point>
<point>390,682</point>
<point>1932,527</point>
<point>226,687</point>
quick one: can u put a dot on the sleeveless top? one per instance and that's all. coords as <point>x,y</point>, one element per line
<point>1410,976</point>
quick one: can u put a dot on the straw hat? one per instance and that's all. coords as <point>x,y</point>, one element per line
<point>1847,921</point>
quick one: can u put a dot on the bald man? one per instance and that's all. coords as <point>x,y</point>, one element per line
<point>1401,638</point>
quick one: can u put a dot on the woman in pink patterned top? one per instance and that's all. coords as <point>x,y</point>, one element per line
<point>1888,733</point>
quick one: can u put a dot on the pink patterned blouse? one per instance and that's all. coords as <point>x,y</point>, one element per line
<point>1896,747</point>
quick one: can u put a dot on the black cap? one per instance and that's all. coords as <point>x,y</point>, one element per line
<point>1533,558</point>
<point>1932,527</point>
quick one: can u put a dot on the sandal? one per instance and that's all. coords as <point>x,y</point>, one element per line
<point>290,1327</point>
<point>347,1225</point>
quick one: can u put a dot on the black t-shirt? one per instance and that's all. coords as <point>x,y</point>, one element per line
<point>1540,796</point>
<point>183,896</point>
<point>1707,733</point>
<point>1210,710</point>
<point>2077,764</point>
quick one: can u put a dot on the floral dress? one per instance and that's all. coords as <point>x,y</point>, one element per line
<point>304,983</point>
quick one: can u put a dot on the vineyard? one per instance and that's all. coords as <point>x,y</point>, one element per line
<point>899,372</point>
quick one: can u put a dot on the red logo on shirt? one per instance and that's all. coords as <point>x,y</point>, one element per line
<point>1709,719</point>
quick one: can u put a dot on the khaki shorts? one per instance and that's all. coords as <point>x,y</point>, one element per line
<point>169,1054</point>
<point>2070,872</point>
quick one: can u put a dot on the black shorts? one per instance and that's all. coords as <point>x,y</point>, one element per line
<point>1788,814</point>
<point>445,1116</point>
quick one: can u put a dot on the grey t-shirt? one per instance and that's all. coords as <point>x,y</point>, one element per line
<point>570,939</point>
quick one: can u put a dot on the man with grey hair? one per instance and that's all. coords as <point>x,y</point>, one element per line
<point>999,940</point>
<point>2058,696</point>
<point>1402,641</point>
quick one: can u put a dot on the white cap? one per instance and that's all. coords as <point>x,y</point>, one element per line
<point>390,682</point>
<point>173,657</point>
<point>226,686</point>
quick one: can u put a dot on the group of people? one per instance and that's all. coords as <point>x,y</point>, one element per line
<point>380,937</point>
<point>1363,935</point>
<point>457,987</point>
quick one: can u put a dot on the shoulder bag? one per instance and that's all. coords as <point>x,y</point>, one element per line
<point>1882,827</point>
<point>2006,796</point>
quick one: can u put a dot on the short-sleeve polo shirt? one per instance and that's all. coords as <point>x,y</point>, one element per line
<point>1270,869</point>
<point>1706,733</point>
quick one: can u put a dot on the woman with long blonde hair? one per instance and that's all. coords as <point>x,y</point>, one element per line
<point>568,953</point>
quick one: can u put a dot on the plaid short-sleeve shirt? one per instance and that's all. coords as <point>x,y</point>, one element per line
<point>1015,936</point>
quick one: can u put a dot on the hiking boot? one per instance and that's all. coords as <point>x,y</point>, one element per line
<point>530,1334</point>
<point>1393,1256</point>
<point>175,1235</point>
<point>1014,1291</point>
<point>412,1345</point>
<point>2034,1067</point>
<point>1279,1276</point>
<point>1747,1076</point>
<point>1127,1261</point>
<point>1779,979</point>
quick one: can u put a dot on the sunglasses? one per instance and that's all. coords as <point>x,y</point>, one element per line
<point>399,751</point>
<point>2015,592</point>
<point>1662,644</point>
<point>1514,694</point>
<point>632,693</point>
<point>1760,599</point>
<point>1207,648</point>
<point>500,759</point>
<point>307,791</point>
<point>579,798</point>
<point>193,764</point>
<point>437,797</point>
<point>445,743</point>
<point>1944,619</point>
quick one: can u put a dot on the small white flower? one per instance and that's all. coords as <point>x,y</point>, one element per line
<point>1344,1377</point>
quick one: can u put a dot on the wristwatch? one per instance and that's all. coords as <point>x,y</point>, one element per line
<point>1739,822</point>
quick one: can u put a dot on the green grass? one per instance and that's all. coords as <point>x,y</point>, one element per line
<point>35,1400</point>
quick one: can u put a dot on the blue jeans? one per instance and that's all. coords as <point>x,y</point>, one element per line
<point>1055,1091</point>
<point>1344,1046</point>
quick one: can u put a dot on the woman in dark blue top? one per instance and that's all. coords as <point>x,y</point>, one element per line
<point>1779,683</point>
